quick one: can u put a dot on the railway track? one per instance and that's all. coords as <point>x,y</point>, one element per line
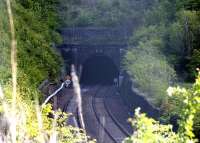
<point>74,117</point>
<point>66,106</point>
<point>120,126</point>
<point>110,126</point>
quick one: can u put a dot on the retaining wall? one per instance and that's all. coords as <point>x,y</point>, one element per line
<point>134,100</point>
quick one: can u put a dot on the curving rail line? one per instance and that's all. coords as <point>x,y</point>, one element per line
<point>109,133</point>
<point>115,120</point>
<point>105,107</point>
<point>66,106</point>
<point>98,118</point>
<point>65,109</point>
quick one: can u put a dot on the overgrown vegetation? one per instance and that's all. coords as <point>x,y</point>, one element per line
<point>35,25</point>
<point>164,48</point>
<point>31,124</point>
<point>102,13</point>
<point>148,130</point>
<point>5,70</point>
<point>36,22</point>
<point>186,103</point>
<point>149,68</point>
<point>164,51</point>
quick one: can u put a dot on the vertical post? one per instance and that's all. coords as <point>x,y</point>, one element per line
<point>55,102</point>
<point>75,54</point>
<point>77,91</point>
<point>80,71</point>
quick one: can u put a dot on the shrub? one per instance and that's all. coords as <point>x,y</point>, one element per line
<point>150,70</point>
<point>35,24</point>
<point>5,71</point>
<point>29,123</point>
<point>147,130</point>
<point>186,104</point>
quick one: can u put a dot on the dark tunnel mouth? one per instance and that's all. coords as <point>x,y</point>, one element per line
<point>99,70</point>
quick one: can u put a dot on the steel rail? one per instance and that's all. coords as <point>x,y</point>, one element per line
<point>76,114</point>
<point>98,119</point>
<point>125,132</point>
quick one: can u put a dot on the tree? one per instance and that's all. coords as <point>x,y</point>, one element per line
<point>151,131</point>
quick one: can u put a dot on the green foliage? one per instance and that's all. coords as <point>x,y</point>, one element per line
<point>173,40</point>
<point>178,30</point>
<point>5,72</point>
<point>151,50</point>
<point>102,12</point>
<point>170,34</point>
<point>192,4</point>
<point>194,63</point>
<point>151,34</point>
<point>150,71</point>
<point>35,23</point>
<point>147,65</point>
<point>147,130</point>
<point>39,125</point>
<point>174,32</point>
<point>164,16</point>
<point>192,42</point>
<point>186,104</point>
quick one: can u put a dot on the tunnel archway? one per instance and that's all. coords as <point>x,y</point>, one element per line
<point>99,69</point>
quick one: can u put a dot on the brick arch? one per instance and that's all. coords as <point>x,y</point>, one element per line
<point>110,57</point>
<point>113,55</point>
<point>80,53</point>
<point>99,68</point>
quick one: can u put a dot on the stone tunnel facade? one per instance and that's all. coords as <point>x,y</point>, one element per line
<point>84,43</point>
<point>81,53</point>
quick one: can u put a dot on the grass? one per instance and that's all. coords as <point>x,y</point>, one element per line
<point>27,122</point>
<point>5,68</point>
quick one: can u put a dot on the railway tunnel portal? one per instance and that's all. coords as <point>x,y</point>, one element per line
<point>99,69</point>
<point>95,52</point>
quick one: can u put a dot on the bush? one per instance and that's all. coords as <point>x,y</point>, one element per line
<point>148,66</point>
<point>147,130</point>
<point>29,123</point>
<point>102,13</point>
<point>35,24</point>
<point>5,71</point>
<point>186,104</point>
